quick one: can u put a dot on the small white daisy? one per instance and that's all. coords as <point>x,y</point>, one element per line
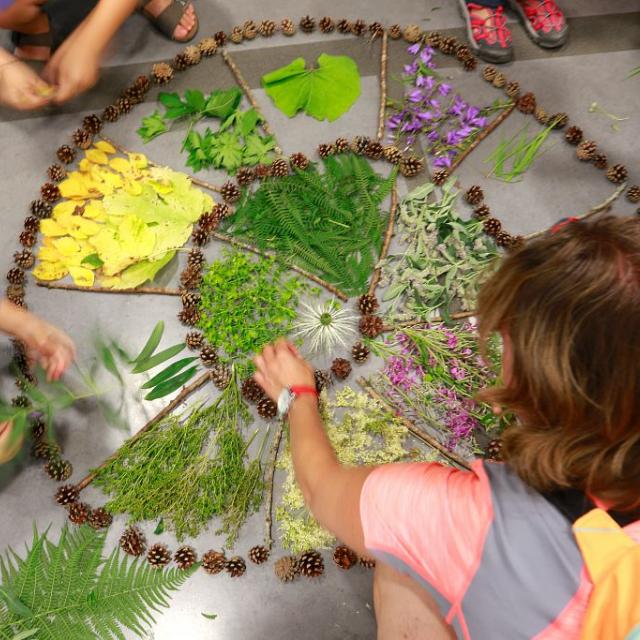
<point>324,326</point>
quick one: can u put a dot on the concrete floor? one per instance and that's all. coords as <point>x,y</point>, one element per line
<point>592,68</point>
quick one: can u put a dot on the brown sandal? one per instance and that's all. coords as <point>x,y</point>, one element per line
<point>167,21</point>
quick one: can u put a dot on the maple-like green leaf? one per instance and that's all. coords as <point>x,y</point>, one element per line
<point>152,126</point>
<point>258,149</point>
<point>225,150</point>
<point>222,103</point>
<point>325,92</point>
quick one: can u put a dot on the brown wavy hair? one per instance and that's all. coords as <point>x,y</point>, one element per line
<point>570,305</point>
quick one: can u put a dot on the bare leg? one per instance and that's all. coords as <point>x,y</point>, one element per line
<point>404,610</point>
<point>30,20</point>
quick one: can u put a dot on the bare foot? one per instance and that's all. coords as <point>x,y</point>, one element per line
<point>186,24</point>
<point>8,451</point>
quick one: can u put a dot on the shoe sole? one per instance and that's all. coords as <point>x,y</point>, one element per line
<point>563,36</point>
<point>497,57</point>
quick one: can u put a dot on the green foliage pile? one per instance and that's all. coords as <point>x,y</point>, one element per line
<point>246,303</point>
<point>444,261</point>
<point>68,590</point>
<point>187,472</point>
<point>330,223</point>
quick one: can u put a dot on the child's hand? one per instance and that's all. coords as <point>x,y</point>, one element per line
<point>21,88</point>
<point>280,366</point>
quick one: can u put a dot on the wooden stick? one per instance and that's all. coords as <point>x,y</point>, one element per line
<point>492,126</point>
<point>270,254</point>
<point>266,127</point>
<point>414,429</point>
<point>181,397</point>
<point>384,54</point>
<point>158,291</point>
<point>273,459</point>
<point>461,315</point>
<point>200,183</point>
<point>599,208</point>
<point>377,274</point>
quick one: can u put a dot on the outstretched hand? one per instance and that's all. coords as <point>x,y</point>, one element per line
<point>280,366</point>
<point>21,87</point>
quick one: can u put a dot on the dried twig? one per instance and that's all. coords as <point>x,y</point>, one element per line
<point>158,291</point>
<point>384,54</point>
<point>599,208</point>
<point>250,97</point>
<point>461,315</point>
<point>413,429</point>
<point>377,274</point>
<point>492,126</point>
<point>270,254</point>
<point>181,397</point>
<point>273,459</point>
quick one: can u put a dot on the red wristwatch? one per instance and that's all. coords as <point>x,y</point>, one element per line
<point>289,394</point>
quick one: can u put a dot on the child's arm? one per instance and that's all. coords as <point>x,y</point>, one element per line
<point>331,490</point>
<point>20,86</point>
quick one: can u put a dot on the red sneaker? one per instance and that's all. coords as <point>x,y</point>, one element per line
<point>543,21</point>
<point>489,36</point>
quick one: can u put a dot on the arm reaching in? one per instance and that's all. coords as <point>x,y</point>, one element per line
<point>20,86</point>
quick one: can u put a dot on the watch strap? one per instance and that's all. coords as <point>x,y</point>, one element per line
<point>298,390</point>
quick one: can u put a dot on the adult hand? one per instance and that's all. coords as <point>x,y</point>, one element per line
<point>21,87</point>
<point>280,366</point>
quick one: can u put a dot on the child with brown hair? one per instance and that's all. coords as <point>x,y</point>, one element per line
<point>490,553</point>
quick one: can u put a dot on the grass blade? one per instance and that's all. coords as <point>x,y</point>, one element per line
<point>158,358</point>
<point>170,385</point>
<point>167,373</point>
<point>152,343</point>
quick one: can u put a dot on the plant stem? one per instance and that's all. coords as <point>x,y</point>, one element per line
<point>273,459</point>
<point>181,397</point>
<point>413,429</point>
<point>270,254</point>
<point>461,315</point>
<point>159,291</point>
<point>250,97</point>
<point>384,54</point>
<point>377,274</point>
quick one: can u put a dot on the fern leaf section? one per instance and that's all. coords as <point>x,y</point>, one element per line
<point>328,223</point>
<point>68,591</point>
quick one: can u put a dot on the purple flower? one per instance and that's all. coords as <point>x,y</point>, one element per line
<point>414,48</point>
<point>452,340</point>
<point>412,68</point>
<point>426,55</point>
<point>425,116</point>
<point>444,89</point>
<point>442,161</point>
<point>433,136</point>
<point>415,96</point>
<point>458,373</point>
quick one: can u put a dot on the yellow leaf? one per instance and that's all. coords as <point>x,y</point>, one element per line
<point>74,188</point>
<point>52,228</point>
<point>82,276</point>
<point>49,254</point>
<point>162,188</point>
<point>84,165</point>
<point>96,156</point>
<point>50,271</point>
<point>105,146</point>
<point>138,160</point>
<point>133,188</point>
<point>135,237</point>
<point>88,227</point>
<point>64,208</point>
<point>67,246</point>
<point>121,165</point>
<point>95,211</point>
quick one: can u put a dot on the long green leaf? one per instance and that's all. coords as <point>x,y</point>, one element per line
<point>169,386</point>
<point>27,633</point>
<point>167,373</point>
<point>109,362</point>
<point>159,358</point>
<point>14,604</point>
<point>152,342</point>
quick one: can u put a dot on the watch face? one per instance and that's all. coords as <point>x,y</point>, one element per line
<point>284,402</point>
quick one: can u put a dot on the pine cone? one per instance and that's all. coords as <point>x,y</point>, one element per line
<point>617,173</point>
<point>503,239</point>
<point>299,161</point>
<point>221,38</point>
<point>236,35</point>
<point>56,173</point>
<point>412,33</point>
<point>600,161</point>
<point>526,103</point>
<point>15,275</point>
<point>440,177</point>
<point>185,557</point>
<point>81,138</point>
<point>66,494</point>
<point>66,154</point>
<point>58,469</point>
<point>371,326</point>
<point>279,168</point>
<point>21,401</point>
<point>489,73</point>
<point>558,120</point>
<point>32,224</point>
<point>195,259</point>
<point>251,390</point>
<point>499,80</point>
<point>448,45</point>
<point>208,47</point>
<point>50,192</point>
<point>358,27</point>
<point>359,144</point>
<point>208,356</point>
<point>236,567</point>
<point>344,557</point>
<point>512,89</point>
<point>494,450</point>
<point>573,135</point>
<point>307,24</point>
<point>158,555</point>
<point>162,73</point>
<point>288,27</point>
<point>45,450</point>
<point>207,223</point>
<point>474,195</point>
<point>194,340</point>
<point>221,376</point>
<point>100,518</point>
<point>374,150</point>
<point>192,54</point>
<point>367,562</point>
<point>134,94</point>
<point>586,150</point>
<point>133,541</point>
<point>221,210</point>
<point>245,176</point>
<point>92,123</point>
<point>286,568</point>
<point>267,28</point>
<point>142,83</point>
<point>322,379</point>
<point>470,63</point>
<point>392,154</point>
<point>341,368</point>
<point>190,298</point>
<point>492,226</point>
<point>462,51</point>
<point>230,192</point>
<point>189,316</point>
<point>395,32</point>
<point>433,39</point>
<point>259,554</point>
<point>368,304</point>
<point>37,428</point>
<point>359,352</point>
<point>326,24</point>
<point>326,150</point>
<point>111,113</point>
<point>343,26</point>
<point>267,408</point>
<point>190,278</point>
<point>633,193</point>
<point>181,61</point>
<point>78,512</point>
<point>213,562</point>
<point>341,145</point>
<point>40,209</point>
<point>311,564</point>
<point>410,166</point>
<point>124,105</point>
<point>376,30</point>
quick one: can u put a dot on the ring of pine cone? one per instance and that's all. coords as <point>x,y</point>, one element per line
<point>133,541</point>
<point>214,562</point>
<point>359,352</point>
<point>78,512</point>
<point>633,193</point>
<point>259,554</point>
<point>66,494</point>
<point>617,173</point>
<point>286,568</point>
<point>185,557</point>
<point>311,564</point>
<point>474,195</point>
<point>251,390</point>
<point>371,326</point>
<point>368,304</point>
<point>58,469</point>
<point>236,566</point>
<point>344,557</point>
<point>100,518</point>
<point>267,408</point>
<point>158,555</point>
<point>341,368</point>
<point>526,103</point>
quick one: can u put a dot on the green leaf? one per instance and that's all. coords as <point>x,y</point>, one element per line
<point>167,373</point>
<point>158,358</point>
<point>159,527</point>
<point>175,107</point>
<point>258,149</point>
<point>109,362</point>
<point>14,604</point>
<point>326,92</point>
<point>27,633</point>
<point>226,151</point>
<point>152,343</point>
<point>221,104</point>
<point>195,99</point>
<point>93,260</point>
<point>210,616</point>
<point>171,385</point>
<point>248,121</point>
<point>152,126</point>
